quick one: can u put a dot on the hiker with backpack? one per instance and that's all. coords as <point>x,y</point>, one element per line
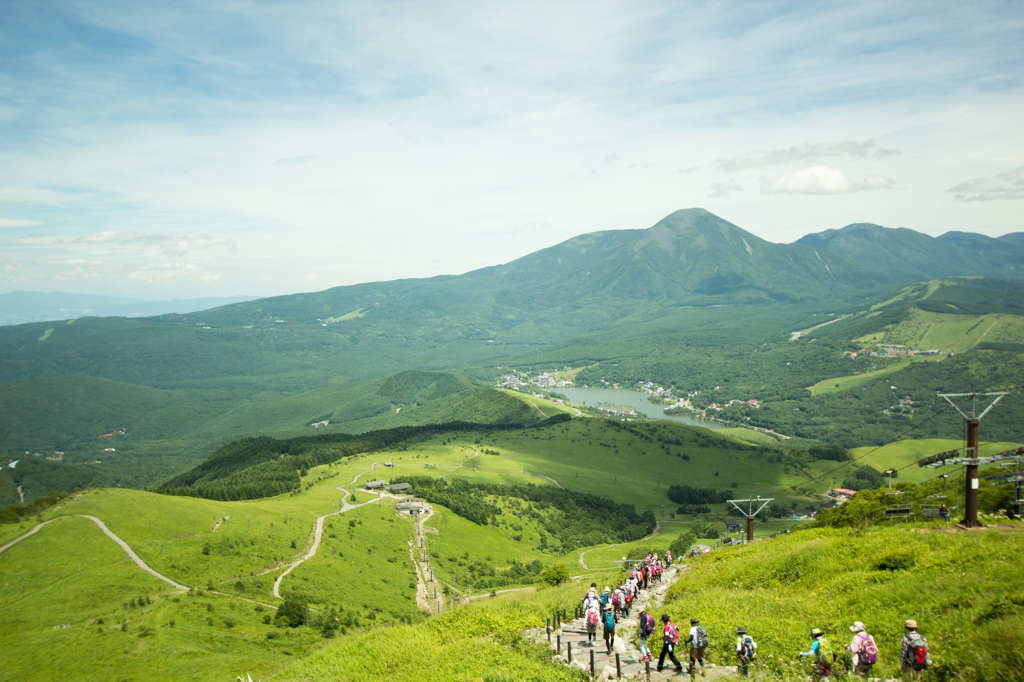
<point>609,629</point>
<point>914,656</point>
<point>864,650</point>
<point>591,619</point>
<point>746,651</point>
<point>698,641</point>
<point>821,651</point>
<point>646,630</point>
<point>669,642</point>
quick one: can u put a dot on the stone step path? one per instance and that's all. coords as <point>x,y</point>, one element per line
<point>574,633</point>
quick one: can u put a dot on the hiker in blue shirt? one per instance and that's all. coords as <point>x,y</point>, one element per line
<point>609,628</point>
<point>821,651</point>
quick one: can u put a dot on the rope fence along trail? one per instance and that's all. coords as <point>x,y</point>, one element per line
<point>565,632</point>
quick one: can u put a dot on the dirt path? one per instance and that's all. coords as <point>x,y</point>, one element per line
<point>514,589</point>
<point>124,545</point>
<point>425,578</point>
<point>319,531</point>
<point>981,337</point>
<point>654,534</point>
<point>539,410</point>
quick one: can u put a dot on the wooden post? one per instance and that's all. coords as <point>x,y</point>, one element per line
<point>558,646</point>
<point>750,529</point>
<point>592,668</point>
<point>548,628</point>
<point>647,669</point>
<point>568,652</point>
<point>971,477</point>
<point>618,668</point>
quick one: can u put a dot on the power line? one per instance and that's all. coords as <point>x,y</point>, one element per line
<point>855,459</point>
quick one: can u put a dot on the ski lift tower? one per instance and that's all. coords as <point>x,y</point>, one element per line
<point>970,460</point>
<point>750,512</point>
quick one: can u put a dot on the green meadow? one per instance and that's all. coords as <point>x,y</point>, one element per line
<point>903,455</point>
<point>963,588</point>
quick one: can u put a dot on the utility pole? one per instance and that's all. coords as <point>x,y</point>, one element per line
<point>970,460</point>
<point>750,512</point>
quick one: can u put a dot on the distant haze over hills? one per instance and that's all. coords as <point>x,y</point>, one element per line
<point>19,307</point>
<point>904,250</point>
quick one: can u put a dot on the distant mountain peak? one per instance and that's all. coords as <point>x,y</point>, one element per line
<point>900,249</point>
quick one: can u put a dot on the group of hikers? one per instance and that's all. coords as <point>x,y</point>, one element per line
<point>861,653</point>
<point>606,607</point>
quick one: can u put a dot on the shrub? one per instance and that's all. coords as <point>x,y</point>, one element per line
<point>291,613</point>
<point>556,575</point>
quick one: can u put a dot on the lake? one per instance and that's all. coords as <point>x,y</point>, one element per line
<point>634,399</point>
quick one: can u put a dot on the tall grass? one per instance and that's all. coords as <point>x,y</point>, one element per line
<point>965,589</point>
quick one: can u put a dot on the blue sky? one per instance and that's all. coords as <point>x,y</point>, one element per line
<point>219,148</point>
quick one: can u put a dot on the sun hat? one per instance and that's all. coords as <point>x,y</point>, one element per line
<point>910,625</point>
<point>694,621</point>
<point>816,632</point>
<point>741,630</point>
<point>857,627</point>
<point>664,618</point>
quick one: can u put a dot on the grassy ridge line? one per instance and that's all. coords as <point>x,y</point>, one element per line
<point>963,588</point>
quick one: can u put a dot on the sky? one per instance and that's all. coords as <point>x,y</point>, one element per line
<point>179,149</point>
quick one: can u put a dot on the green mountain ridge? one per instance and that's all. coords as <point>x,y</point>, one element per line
<point>905,250</point>
<point>694,301</point>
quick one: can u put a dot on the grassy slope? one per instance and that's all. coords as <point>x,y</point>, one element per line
<point>593,456</point>
<point>479,641</point>
<point>964,589</point>
<point>905,453</point>
<point>70,573</point>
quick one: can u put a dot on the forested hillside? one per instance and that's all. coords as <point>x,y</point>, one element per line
<point>693,302</point>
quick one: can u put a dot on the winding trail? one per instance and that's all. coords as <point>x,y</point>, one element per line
<point>124,545</point>
<point>654,534</point>
<point>345,506</point>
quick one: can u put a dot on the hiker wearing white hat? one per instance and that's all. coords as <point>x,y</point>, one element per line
<point>864,650</point>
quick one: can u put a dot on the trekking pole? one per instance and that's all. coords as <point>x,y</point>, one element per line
<point>592,668</point>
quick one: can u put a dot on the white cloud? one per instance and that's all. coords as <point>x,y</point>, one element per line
<point>295,160</point>
<point>824,180</point>
<point>850,149</point>
<point>11,222</point>
<point>168,272</point>
<point>171,245</point>
<point>533,226</point>
<point>35,195</point>
<point>1006,186</point>
<point>722,189</point>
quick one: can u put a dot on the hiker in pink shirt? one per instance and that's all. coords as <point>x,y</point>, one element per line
<point>864,650</point>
